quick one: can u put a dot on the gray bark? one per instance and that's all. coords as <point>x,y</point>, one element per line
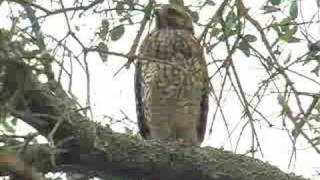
<point>91,147</point>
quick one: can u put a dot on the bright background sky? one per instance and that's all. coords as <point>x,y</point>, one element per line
<point>113,95</point>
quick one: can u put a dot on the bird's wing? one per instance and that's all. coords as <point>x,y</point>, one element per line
<point>204,78</point>
<point>202,122</point>
<point>138,88</point>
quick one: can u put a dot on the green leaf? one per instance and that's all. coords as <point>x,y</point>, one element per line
<point>317,107</point>
<point>120,8</point>
<point>293,39</point>
<point>104,29</point>
<point>275,2</point>
<point>284,37</point>
<point>105,24</point>
<point>231,19</point>
<point>117,32</point>
<point>294,9</point>
<point>276,28</point>
<point>288,35</point>
<point>250,38</point>
<point>231,24</point>
<point>195,16</point>
<point>270,9</point>
<point>316,70</point>
<point>284,24</point>
<point>215,32</point>
<point>103,49</point>
<point>286,30</point>
<point>244,47</point>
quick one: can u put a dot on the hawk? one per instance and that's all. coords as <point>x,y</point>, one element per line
<point>171,80</point>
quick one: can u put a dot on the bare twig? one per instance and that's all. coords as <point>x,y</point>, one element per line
<point>136,41</point>
<point>213,19</point>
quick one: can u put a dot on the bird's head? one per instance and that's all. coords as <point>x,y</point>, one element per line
<point>173,17</point>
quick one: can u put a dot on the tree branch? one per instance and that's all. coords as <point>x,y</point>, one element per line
<point>98,149</point>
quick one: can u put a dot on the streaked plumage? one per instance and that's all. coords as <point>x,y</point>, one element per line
<point>171,82</point>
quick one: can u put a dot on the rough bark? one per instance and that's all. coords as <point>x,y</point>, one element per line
<point>97,149</point>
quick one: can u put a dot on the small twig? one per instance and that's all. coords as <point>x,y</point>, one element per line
<point>26,2</point>
<point>28,139</point>
<point>208,26</point>
<point>146,17</point>
<point>51,141</point>
<point>141,58</point>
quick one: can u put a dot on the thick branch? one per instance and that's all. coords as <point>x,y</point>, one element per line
<point>102,151</point>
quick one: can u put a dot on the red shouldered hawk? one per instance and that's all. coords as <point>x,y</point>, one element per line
<point>171,80</point>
